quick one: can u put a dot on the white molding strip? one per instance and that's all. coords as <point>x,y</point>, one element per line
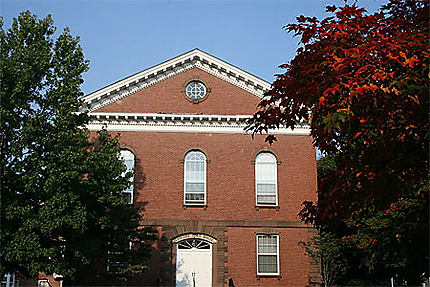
<point>182,123</point>
<point>173,67</point>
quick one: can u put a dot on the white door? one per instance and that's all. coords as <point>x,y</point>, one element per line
<point>193,263</point>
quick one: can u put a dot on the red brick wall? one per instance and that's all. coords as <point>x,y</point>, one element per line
<point>230,174</point>
<point>242,263</point>
<point>159,181</point>
<point>168,97</point>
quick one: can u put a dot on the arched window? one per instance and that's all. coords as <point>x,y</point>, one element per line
<point>195,178</point>
<point>196,243</point>
<point>266,187</point>
<point>128,158</point>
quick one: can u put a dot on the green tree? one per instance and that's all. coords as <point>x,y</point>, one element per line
<point>363,78</point>
<point>326,250</point>
<point>61,203</point>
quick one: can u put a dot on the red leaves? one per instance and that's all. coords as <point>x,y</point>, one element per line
<point>332,90</point>
<point>371,175</point>
<point>337,59</point>
<point>392,57</point>
<point>362,76</point>
<point>301,19</point>
<point>330,8</point>
<point>366,68</point>
<point>270,139</point>
<point>379,76</point>
<point>350,12</point>
<point>357,135</point>
<point>408,62</point>
<point>361,90</point>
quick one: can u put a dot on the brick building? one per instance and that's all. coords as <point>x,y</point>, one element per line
<point>225,204</point>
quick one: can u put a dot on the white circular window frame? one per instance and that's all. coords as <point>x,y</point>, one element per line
<point>207,90</point>
<point>198,92</point>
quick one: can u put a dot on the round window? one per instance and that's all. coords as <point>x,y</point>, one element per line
<point>195,90</point>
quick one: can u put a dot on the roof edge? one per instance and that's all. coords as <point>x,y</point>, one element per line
<point>195,57</point>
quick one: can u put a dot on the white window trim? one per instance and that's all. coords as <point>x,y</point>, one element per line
<point>132,178</point>
<point>276,183</point>
<point>277,255</point>
<point>191,94</point>
<point>202,236</point>
<point>9,280</point>
<point>204,179</point>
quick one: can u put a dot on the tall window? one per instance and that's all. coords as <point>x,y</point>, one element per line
<point>267,254</point>
<point>195,178</point>
<point>266,179</point>
<point>128,158</point>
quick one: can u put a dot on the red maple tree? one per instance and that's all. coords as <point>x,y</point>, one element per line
<point>362,83</point>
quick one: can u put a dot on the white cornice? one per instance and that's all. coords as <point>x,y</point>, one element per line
<point>189,123</point>
<point>170,68</point>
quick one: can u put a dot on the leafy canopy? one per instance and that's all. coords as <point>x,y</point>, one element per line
<point>324,250</point>
<point>61,198</point>
<point>361,81</point>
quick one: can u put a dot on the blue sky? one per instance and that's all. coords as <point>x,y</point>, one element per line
<point>121,38</point>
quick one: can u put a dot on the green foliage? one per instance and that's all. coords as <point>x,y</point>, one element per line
<point>61,198</point>
<point>325,165</point>
<point>394,235</point>
<point>326,250</point>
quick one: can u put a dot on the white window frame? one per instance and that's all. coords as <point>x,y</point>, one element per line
<point>204,179</point>
<point>122,157</point>
<point>9,280</point>
<point>256,180</point>
<point>277,255</point>
<point>192,95</point>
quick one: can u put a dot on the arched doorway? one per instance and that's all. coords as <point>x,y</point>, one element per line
<point>194,261</point>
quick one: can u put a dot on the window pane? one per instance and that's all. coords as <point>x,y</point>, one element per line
<point>266,188</point>
<point>129,163</point>
<point>195,187</point>
<point>200,156</point>
<point>195,165</point>
<point>265,173</point>
<point>195,156</point>
<point>129,188</point>
<point>267,244</point>
<point>267,253</point>
<point>200,166</point>
<point>266,199</point>
<point>125,154</point>
<point>195,171</point>
<point>128,158</point>
<point>127,197</point>
<point>267,264</point>
<point>188,170</point>
<point>195,197</point>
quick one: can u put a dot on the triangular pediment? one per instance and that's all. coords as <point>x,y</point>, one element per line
<point>168,69</point>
